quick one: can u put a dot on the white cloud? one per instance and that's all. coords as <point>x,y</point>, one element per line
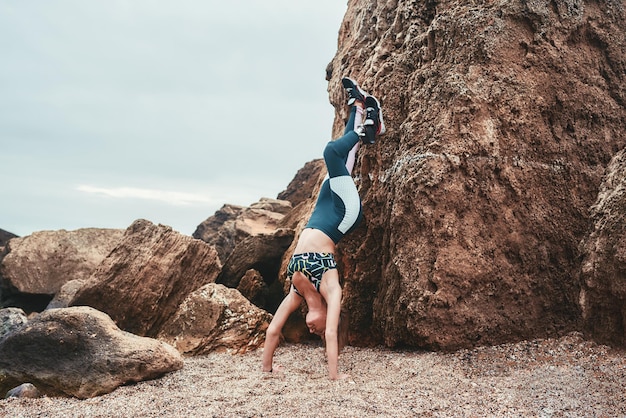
<point>167,196</point>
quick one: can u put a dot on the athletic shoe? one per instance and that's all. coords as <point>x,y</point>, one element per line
<point>369,134</point>
<point>354,91</point>
<point>374,124</point>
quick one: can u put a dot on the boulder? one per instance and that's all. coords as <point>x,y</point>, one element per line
<point>603,271</point>
<point>261,253</point>
<point>25,390</point>
<point>232,224</point>
<point>39,264</point>
<point>144,279</point>
<point>219,229</point>
<point>80,352</point>
<point>216,318</point>
<point>501,118</point>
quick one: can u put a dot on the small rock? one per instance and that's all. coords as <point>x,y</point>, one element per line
<point>25,390</point>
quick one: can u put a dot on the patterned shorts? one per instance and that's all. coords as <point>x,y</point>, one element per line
<point>312,265</point>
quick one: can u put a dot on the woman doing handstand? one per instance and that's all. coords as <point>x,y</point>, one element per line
<point>312,268</point>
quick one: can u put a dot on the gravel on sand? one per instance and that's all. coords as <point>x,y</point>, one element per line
<point>562,377</point>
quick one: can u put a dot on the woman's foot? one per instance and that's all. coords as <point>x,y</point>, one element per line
<point>355,93</point>
<point>374,124</point>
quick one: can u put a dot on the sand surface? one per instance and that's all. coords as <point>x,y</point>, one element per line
<point>565,377</point>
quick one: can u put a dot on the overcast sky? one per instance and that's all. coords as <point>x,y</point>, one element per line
<point>116,110</point>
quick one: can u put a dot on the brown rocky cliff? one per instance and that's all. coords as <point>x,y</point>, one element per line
<point>501,118</point>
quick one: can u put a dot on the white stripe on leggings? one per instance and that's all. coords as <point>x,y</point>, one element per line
<point>344,187</point>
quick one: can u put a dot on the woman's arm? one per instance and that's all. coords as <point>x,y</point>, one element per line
<point>333,301</point>
<point>272,335</point>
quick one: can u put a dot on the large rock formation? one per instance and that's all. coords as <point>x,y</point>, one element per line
<point>41,263</point>
<point>501,118</point>
<point>603,295</point>
<point>80,352</point>
<point>144,279</point>
<point>216,318</point>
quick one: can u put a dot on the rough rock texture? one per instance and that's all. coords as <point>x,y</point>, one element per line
<point>11,319</point>
<point>253,287</point>
<point>232,224</point>
<point>144,279</point>
<point>80,352</point>
<point>219,229</point>
<point>42,262</point>
<point>216,318</point>
<point>603,295</point>
<point>66,294</point>
<point>501,118</point>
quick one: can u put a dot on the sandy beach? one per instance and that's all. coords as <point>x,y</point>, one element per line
<point>565,377</point>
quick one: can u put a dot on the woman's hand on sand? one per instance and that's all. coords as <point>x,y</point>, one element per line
<point>277,369</point>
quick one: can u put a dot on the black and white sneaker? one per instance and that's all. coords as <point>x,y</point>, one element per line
<point>354,91</point>
<point>374,124</point>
